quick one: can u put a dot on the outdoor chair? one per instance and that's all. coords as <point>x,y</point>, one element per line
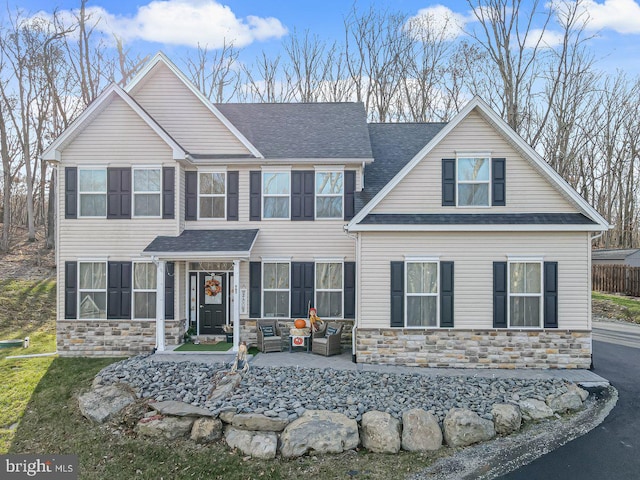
<point>269,336</point>
<point>327,341</point>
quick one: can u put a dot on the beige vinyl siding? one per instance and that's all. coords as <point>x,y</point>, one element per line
<point>421,190</point>
<point>473,255</point>
<point>183,115</point>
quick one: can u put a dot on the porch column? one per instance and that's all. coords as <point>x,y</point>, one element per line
<point>236,305</point>
<point>160,270</point>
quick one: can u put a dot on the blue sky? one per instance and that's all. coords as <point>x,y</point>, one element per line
<point>174,26</point>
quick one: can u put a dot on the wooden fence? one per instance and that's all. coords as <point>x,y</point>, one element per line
<point>616,279</point>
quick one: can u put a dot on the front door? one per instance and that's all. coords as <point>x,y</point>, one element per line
<point>213,303</point>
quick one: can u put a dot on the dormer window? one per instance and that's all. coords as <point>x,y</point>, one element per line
<point>474,178</point>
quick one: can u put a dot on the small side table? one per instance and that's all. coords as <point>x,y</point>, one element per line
<point>299,341</point>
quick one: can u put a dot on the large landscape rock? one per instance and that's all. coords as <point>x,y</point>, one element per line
<point>420,431</point>
<point>206,429</point>
<point>533,409</point>
<point>101,404</point>
<point>319,431</point>
<point>567,402</point>
<point>258,422</point>
<point>572,387</point>
<point>256,444</point>
<point>380,432</point>
<point>180,409</point>
<point>506,418</point>
<point>463,427</point>
<point>167,427</point>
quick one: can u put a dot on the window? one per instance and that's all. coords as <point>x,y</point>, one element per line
<point>329,290</point>
<point>473,182</point>
<point>329,194</point>
<point>144,290</point>
<point>146,192</point>
<point>212,188</point>
<point>92,190</point>
<point>92,289</point>
<point>276,188</point>
<point>525,294</point>
<point>275,289</point>
<point>421,294</point>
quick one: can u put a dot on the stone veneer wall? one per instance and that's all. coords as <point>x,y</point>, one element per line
<point>549,348</point>
<point>113,337</point>
<point>248,331</point>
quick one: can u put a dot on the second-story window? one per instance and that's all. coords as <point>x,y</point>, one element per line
<point>473,182</point>
<point>276,189</point>
<point>329,194</point>
<point>212,191</point>
<point>92,191</point>
<point>146,192</point>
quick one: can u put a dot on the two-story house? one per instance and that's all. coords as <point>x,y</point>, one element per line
<point>438,244</point>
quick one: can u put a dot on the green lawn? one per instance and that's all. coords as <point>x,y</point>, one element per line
<point>205,347</point>
<point>616,307</point>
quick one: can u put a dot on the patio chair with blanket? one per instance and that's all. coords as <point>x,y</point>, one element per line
<point>269,336</point>
<point>327,341</point>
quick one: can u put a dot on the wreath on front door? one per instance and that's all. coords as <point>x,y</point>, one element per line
<point>212,287</point>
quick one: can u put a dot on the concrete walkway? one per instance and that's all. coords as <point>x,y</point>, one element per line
<point>585,378</point>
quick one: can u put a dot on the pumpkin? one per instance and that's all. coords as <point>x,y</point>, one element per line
<point>300,323</point>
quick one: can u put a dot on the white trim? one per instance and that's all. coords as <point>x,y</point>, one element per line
<point>329,259</point>
<point>475,228</point>
<point>133,191</point>
<point>410,259</point>
<point>93,290</point>
<point>501,125</point>
<point>473,153</point>
<point>525,259</point>
<point>329,169</point>
<point>162,58</point>
<point>52,152</point>
<point>422,294</point>
<point>275,259</point>
<point>263,290</point>
<point>487,182</point>
<point>276,169</point>
<point>213,195</point>
<point>264,196</point>
<point>135,290</point>
<point>328,290</point>
<point>317,195</point>
<point>267,162</point>
<point>196,256</point>
<point>540,295</point>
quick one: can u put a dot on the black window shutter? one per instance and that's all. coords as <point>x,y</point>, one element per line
<point>446,294</point>
<point>448,182</point>
<point>118,193</point>
<point>71,192</point>
<point>349,289</point>
<point>397,294</point>
<point>255,293</point>
<point>232,195</point>
<point>302,283</point>
<point>169,288</point>
<point>349,194</point>
<point>70,289</point>
<point>498,182</point>
<point>168,192</point>
<point>191,196</point>
<point>119,277</point>
<point>255,196</point>
<point>302,195</point>
<point>550,294</point>
<point>500,294</point>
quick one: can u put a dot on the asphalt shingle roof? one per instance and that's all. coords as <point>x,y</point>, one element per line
<point>205,241</point>
<point>393,146</point>
<point>302,130</point>
<point>612,253</point>
<point>479,219</point>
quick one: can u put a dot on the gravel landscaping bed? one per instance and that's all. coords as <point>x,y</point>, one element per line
<point>285,392</point>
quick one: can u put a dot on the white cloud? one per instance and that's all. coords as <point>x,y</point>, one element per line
<point>441,19</point>
<point>550,39</point>
<point>622,16</point>
<point>186,23</point>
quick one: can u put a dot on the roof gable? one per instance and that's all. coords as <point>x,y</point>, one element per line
<point>525,151</point>
<point>53,151</point>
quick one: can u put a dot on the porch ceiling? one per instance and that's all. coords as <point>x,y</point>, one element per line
<point>200,244</point>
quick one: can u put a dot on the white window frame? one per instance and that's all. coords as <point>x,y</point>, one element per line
<point>106,188</point>
<point>288,290</point>
<point>328,290</point>
<point>540,295</point>
<point>473,156</point>
<point>135,290</point>
<point>327,195</point>
<point>93,290</point>
<point>407,261</point>
<point>272,171</point>
<point>135,193</point>
<point>214,195</point>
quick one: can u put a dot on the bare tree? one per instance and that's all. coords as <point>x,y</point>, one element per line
<point>215,72</point>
